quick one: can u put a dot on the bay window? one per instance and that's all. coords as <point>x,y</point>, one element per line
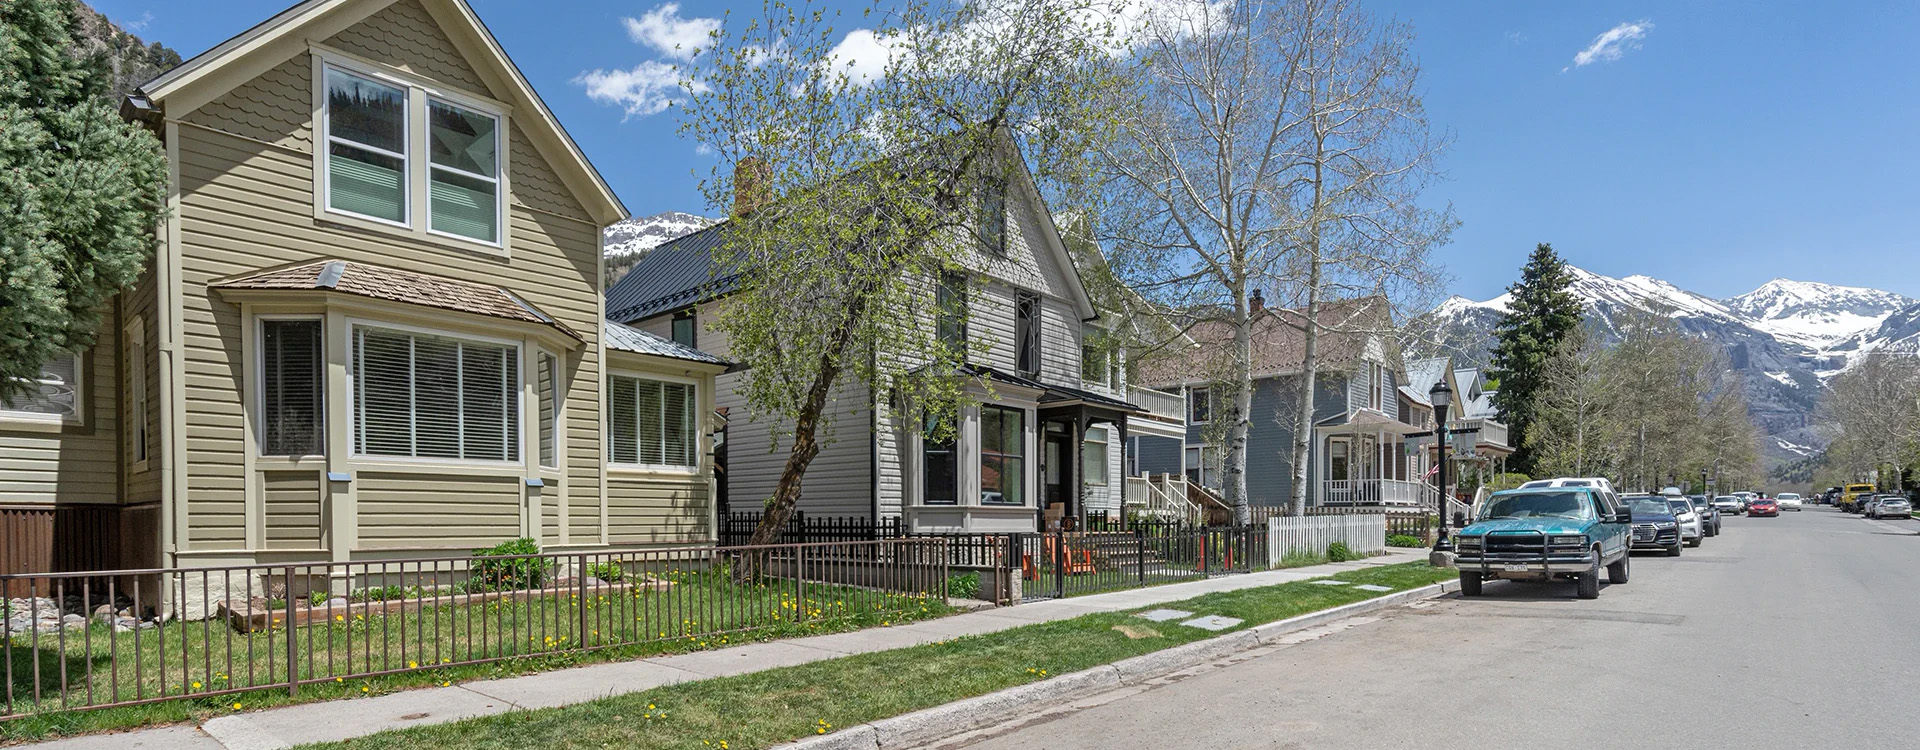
<point>1093,456</point>
<point>651,423</point>
<point>292,388</point>
<point>420,395</point>
<point>547,390</point>
<point>938,470</point>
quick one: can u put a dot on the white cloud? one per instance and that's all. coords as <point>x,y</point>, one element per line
<point>1612,43</point>
<point>146,17</point>
<point>665,30</point>
<point>863,55</point>
<point>645,89</point>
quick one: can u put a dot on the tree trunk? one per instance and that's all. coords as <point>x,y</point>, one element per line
<point>805,447</point>
<point>1235,485</point>
<point>1310,369</point>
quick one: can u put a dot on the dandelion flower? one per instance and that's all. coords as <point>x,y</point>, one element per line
<point>236,706</point>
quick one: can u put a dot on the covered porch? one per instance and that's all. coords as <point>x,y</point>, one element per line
<point>1367,461</point>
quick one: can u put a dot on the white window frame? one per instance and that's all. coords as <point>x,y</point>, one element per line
<point>499,168</point>
<point>1106,463</point>
<point>259,365</point>
<point>56,421</point>
<point>698,435</point>
<point>418,209</point>
<point>516,388</point>
<point>135,361</point>
<point>327,138</point>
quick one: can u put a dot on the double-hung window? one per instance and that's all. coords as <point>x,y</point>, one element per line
<point>1003,456</point>
<point>991,216</point>
<point>1199,405</point>
<point>292,388</point>
<point>686,330</point>
<point>52,396</point>
<point>419,395</point>
<point>1093,456</point>
<point>373,126</point>
<point>652,423</point>
<point>950,311</point>
<point>366,126</point>
<point>938,474</point>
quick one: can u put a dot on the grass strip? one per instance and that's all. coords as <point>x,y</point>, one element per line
<point>781,705</point>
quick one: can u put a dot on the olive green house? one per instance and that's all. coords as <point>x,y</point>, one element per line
<point>373,327</point>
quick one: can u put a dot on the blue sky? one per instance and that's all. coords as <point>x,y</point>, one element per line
<point>1712,144</point>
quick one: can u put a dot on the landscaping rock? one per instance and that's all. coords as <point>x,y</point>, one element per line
<point>338,602</point>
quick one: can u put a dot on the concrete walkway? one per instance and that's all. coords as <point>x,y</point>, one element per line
<point>336,720</point>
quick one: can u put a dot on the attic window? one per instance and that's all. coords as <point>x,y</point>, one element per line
<point>366,147</point>
<point>992,218</point>
<point>463,185</point>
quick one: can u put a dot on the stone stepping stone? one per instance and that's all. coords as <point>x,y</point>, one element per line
<point>1371,587</point>
<point>1214,623</point>
<point>1163,615</point>
<point>1328,582</point>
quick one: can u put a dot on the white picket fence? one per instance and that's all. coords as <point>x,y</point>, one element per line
<point>1365,533</point>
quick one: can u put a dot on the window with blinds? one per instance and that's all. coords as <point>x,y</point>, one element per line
<point>463,180</point>
<point>292,389</point>
<point>366,147</point>
<point>429,396</point>
<point>547,389</point>
<point>652,422</point>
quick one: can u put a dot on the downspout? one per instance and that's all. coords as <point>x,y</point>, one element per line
<point>167,319</point>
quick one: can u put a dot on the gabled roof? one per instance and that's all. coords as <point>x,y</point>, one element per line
<point>1279,344</point>
<point>684,271</point>
<point>235,61</point>
<point>1423,373</point>
<point>624,338</point>
<point>395,285</point>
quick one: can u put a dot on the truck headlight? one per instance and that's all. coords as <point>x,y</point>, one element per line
<point>1569,541</point>
<point>1466,541</point>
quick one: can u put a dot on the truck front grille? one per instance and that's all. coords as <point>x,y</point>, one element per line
<point>1516,544</point>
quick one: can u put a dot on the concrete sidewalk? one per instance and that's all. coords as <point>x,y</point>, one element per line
<point>336,720</point>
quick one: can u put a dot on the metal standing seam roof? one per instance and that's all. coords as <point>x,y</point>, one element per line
<point>675,274</point>
<point>396,285</point>
<point>626,338</point>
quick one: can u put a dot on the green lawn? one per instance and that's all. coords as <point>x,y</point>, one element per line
<point>222,669</point>
<point>781,705</point>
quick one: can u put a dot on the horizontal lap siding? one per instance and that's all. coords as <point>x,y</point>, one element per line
<point>404,510</point>
<point>144,486</point>
<point>838,481</point>
<point>657,510</point>
<point>247,204</point>
<point>292,509</point>
<point>79,464</point>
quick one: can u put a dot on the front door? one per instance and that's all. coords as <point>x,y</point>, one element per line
<point>1056,467</point>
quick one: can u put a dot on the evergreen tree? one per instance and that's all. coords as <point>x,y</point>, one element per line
<point>1541,315</point>
<point>80,190</point>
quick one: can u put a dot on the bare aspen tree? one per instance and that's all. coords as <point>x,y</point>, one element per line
<point>1875,408</point>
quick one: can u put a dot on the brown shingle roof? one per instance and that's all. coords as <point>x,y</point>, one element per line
<point>393,284</point>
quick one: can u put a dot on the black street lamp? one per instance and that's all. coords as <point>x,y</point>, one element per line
<point>1442,398</point>
<point>1703,486</point>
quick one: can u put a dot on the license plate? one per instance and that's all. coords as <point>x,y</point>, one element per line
<point>1515,567</point>
<point>1643,535</point>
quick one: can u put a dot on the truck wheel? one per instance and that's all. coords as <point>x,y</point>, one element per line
<point>1469,584</point>
<point>1618,572</point>
<point>1674,551</point>
<point>1587,585</point>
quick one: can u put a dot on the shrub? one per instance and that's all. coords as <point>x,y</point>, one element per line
<point>963,585</point>
<point>1404,540</point>
<point>611,572</point>
<point>1340,552</point>
<point>505,575</point>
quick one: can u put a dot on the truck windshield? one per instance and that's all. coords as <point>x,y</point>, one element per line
<point>1537,505</point>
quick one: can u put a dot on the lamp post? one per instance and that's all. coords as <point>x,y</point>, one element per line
<point>1442,399</point>
<point>1703,486</point>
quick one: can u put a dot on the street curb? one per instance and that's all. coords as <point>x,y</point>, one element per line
<point>931,725</point>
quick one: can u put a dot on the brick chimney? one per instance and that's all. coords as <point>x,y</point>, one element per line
<point>751,178</point>
<point>1256,303</point>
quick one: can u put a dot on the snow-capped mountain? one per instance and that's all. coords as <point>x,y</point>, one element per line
<point>634,237</point>
<point>629,241</point>
<point>1786,338</point>
<point>1818,315</point>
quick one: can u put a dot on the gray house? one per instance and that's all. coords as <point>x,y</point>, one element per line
<point>1366,442</point>
<point>1049,433</point>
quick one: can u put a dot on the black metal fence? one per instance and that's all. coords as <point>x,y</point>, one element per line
<point>108,638</point>
<point>1057,564</point>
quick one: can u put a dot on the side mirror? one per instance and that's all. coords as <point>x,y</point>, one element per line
<point>1623,517</point>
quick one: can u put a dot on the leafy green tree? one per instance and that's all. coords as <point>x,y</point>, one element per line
<point>1543,313</point>
<point>80,190</point>
<point>854,190</point>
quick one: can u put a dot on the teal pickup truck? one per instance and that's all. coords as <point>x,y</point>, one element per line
<point>1546,533</point>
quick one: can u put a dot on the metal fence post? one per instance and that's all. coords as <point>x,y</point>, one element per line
<point>580,593</point>
<point>1060,563</point>
<point>293,648</point>
<point>1140,560</point>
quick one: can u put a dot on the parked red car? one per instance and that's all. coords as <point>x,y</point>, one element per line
<point>1765,506</point>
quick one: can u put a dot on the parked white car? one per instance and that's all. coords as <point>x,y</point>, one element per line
<point>1790,501</point>
<point>1600,482</point>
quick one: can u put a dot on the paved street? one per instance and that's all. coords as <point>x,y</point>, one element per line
<point>1795,632</point>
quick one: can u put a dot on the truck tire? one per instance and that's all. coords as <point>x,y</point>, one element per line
<point>1619,570</point>
<point>1469,584</point>
<point>1587,585</point>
